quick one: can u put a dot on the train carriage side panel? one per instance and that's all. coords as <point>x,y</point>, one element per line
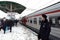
<point>50,11</point>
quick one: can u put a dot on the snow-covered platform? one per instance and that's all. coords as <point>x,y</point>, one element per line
<point>18,33</point>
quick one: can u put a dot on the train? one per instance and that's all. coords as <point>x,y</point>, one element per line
<point>33,20</point>
<point>52,12</point>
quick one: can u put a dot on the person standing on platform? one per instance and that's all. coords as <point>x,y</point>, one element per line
<point>10,24</point>
<point>45,29</point>
<point>4,23</point>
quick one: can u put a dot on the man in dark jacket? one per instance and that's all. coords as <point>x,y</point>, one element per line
<point>45,29</point>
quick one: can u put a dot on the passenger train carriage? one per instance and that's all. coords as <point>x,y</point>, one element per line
<point>53,14</point>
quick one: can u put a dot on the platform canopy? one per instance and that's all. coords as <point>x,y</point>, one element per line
<point>8,6</point>
<point>32,5</point>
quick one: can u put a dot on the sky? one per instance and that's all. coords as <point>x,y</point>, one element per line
<point>32,5</point>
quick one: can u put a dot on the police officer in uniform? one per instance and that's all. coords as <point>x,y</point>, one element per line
<point>45,29</point>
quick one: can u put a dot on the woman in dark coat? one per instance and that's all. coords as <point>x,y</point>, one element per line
<point>45,29</point>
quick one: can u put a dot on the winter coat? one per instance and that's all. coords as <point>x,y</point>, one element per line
<point>45,29</point>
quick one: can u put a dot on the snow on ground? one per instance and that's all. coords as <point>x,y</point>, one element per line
<point>18,33</point>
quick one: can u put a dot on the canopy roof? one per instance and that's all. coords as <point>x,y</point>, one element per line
<point>8,6</point>
<point>33,5</point>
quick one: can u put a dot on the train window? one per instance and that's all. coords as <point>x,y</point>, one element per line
<point>59,21</point>
<point>53,21</point>
<point>30,21</point>
<point>35,20</point>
